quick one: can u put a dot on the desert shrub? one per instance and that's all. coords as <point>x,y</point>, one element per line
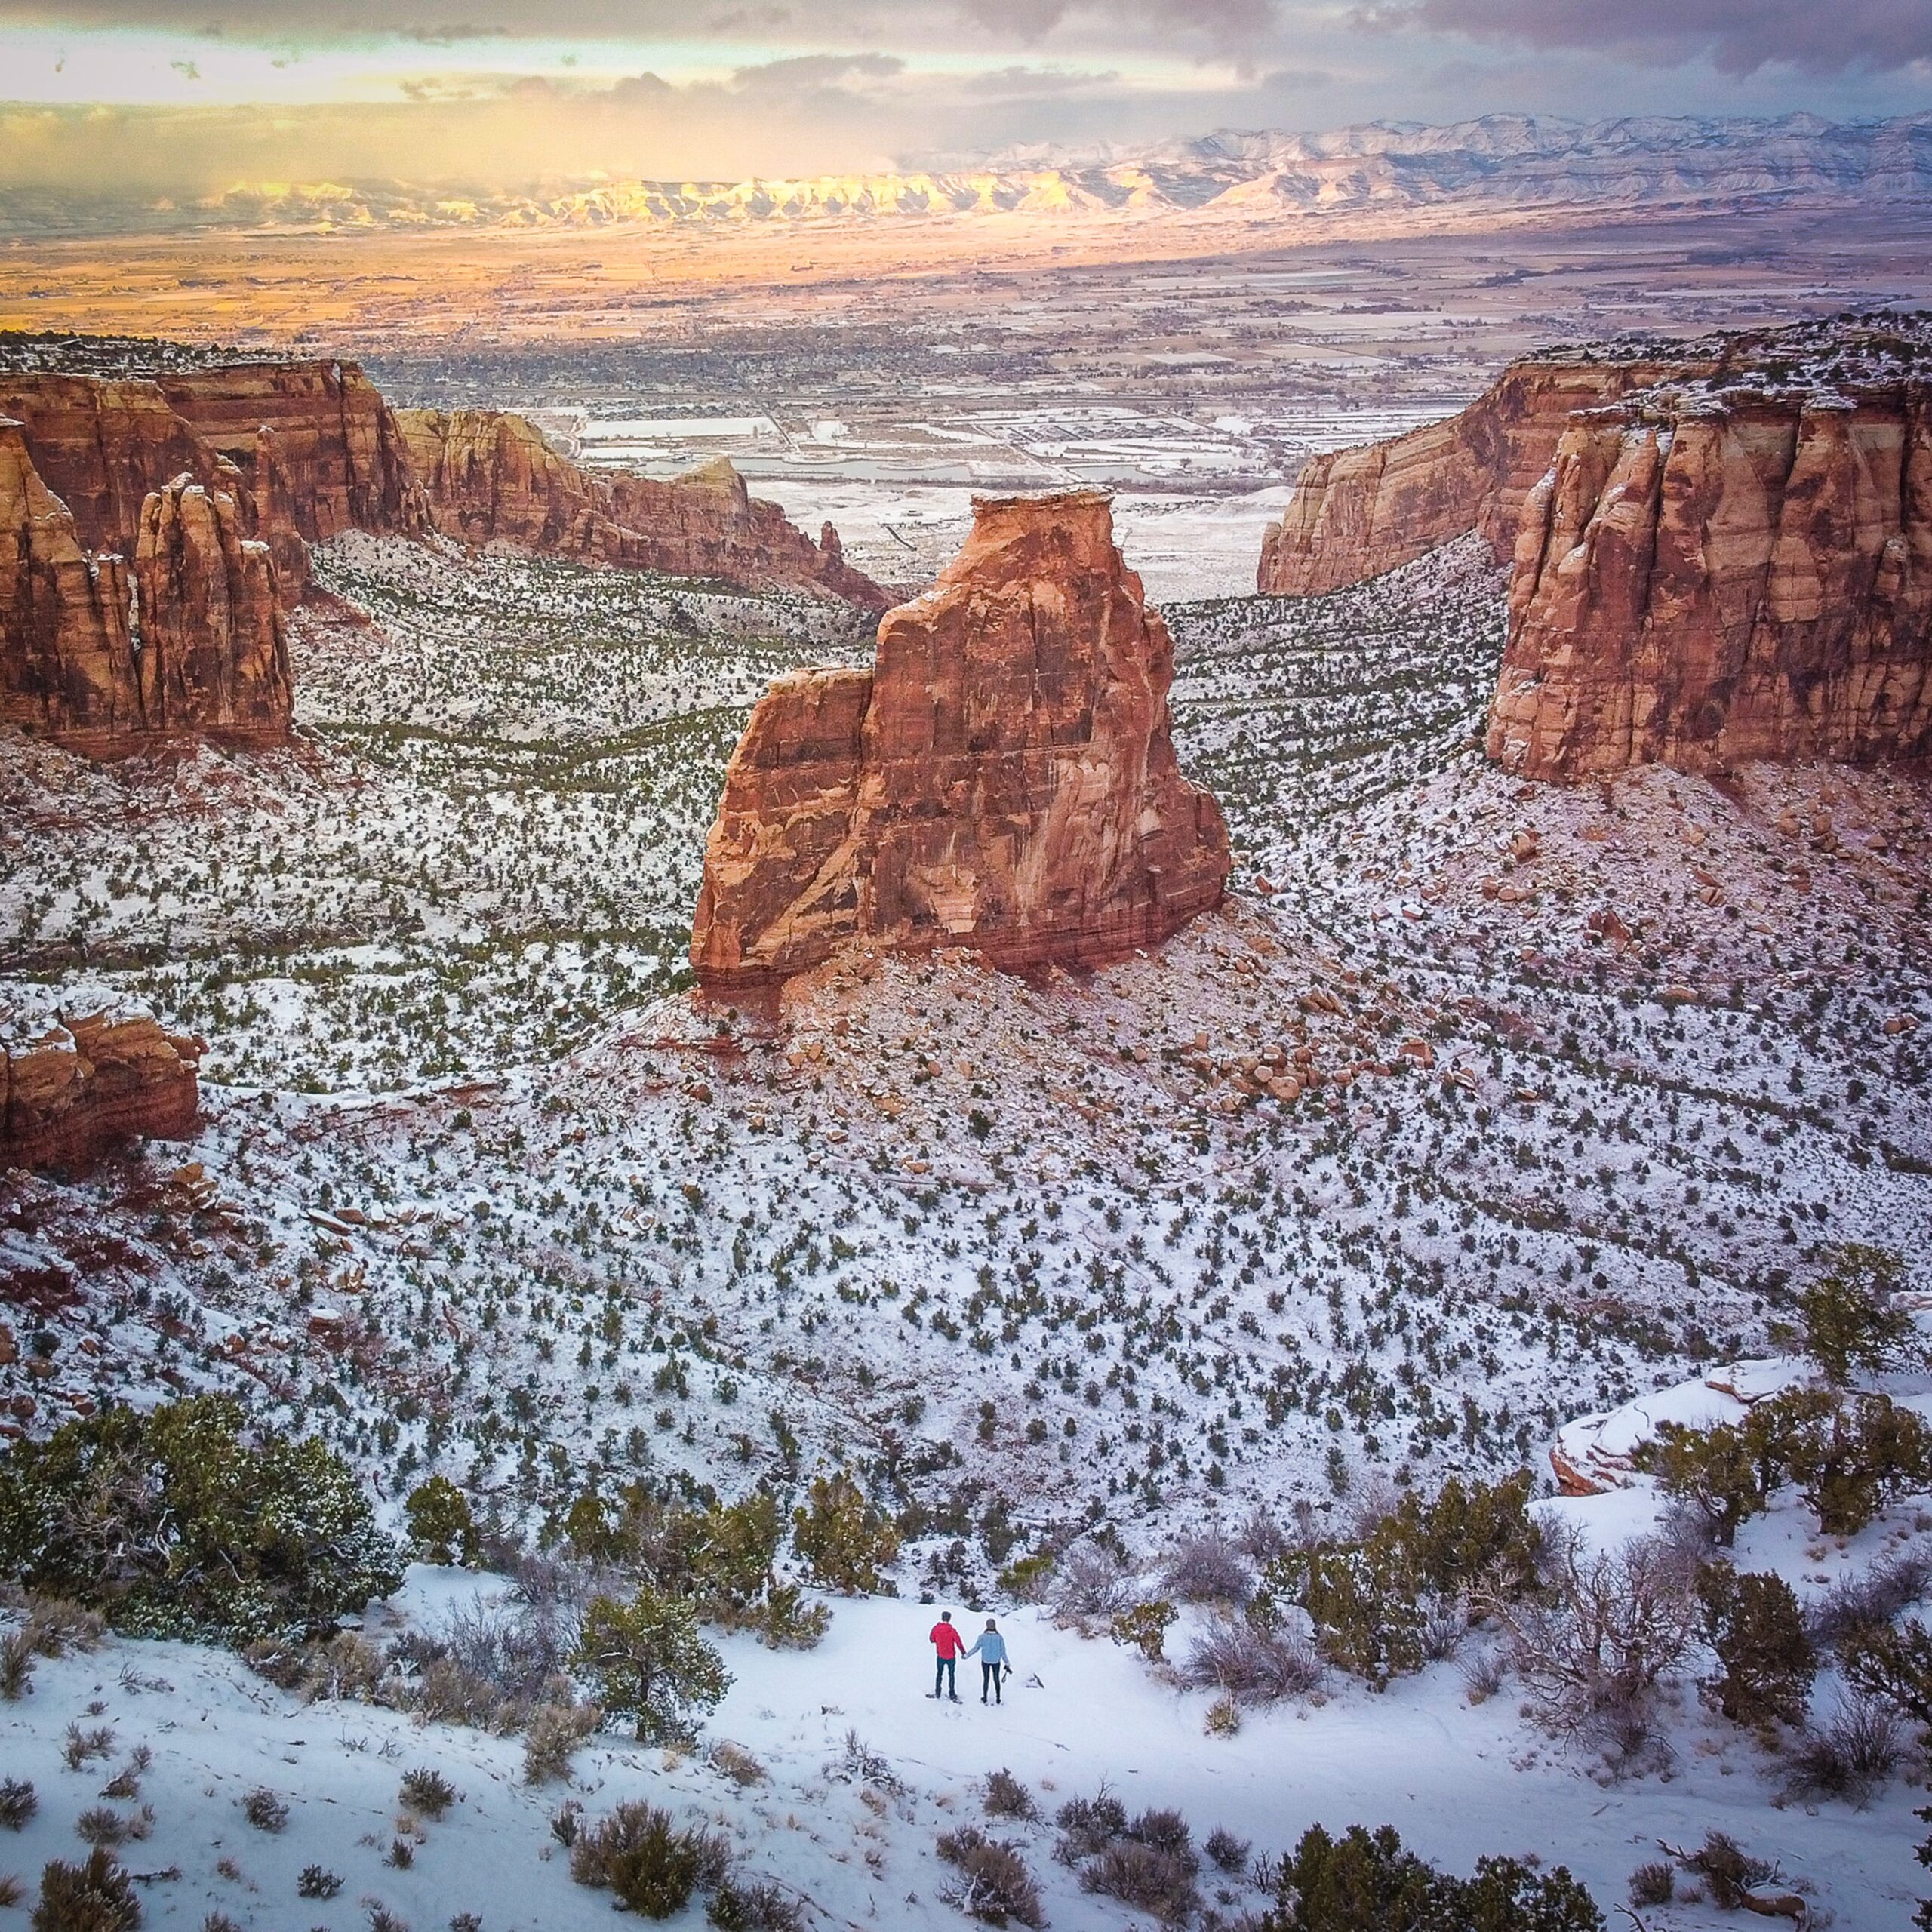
<point>83,1744</point>
<point>993,1885</point>
<point>555,1734</point>
<point>1225,1852</point>
<point>18,1803</point>
<point>1894,1663</point>
<point>317,1882</point>
<point>650,1865</point>
<point>1144,1628</point>
<point>219,1922</point>
<point>783,1619</point>
<point>1870,1600</point>
<point>1223,1718</point>
<point>97,1896</point>
<point>1383,1602</point>
<point>1590,1655</point>
<point>1735,1878</point>
<point>11,1891</point>
<point>736,1762</point>
<point>1367,1881</point>
<point>1854,1319</point>
<point>847,1544</point>
<point>264,1810</point>
<point>753,1905</point>
<point>1851,1756</point>
<point>1254,1664</point>
<point>650,1664</point>
<point>381,1919</point>
<point>344,1665</point>
<point>101,1825</point>
<point>1091,1582</point>
<point>1145,1877</point>
<point>1089,1825</point>
<point>17,1660</point>
<point>1208,1569</point>
<point>56,1625</point>
<point>442,1529</point>
<point>1766,1661</point>
<point>1652,1884</point>
<point>426,1791</point>
<point>1007,1798</point>
<point>174,1525</point>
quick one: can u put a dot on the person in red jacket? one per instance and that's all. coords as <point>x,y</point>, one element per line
<point>949,1647</point>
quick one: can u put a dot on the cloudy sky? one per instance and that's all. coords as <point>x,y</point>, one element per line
<point>190,96</point>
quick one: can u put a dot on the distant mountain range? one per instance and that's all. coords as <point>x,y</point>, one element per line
<point>1499,164</point>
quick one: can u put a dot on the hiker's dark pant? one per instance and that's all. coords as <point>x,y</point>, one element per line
<point>989,1675</point>
<point>946,1678</point>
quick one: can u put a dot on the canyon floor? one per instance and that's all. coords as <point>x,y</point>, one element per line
<point>1479,1107</point>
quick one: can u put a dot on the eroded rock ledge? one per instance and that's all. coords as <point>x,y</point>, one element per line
<point>1004,779</point>
<point>81,1073</point>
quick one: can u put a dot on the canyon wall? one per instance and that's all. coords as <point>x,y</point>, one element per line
<point>1722,578</point>
<point>107,656</point>
<point>1003,778</point>
<point>490,477</point>
<point>1358,513</point>
<point>81,1074</point>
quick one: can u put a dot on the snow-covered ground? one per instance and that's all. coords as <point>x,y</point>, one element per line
<point>1458,1778</point>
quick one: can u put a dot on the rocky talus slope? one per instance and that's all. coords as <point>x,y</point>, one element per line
<point>1358,513</point>
<point>104,656</point>
<point>1004,778</point>
<point>80,1074</point>
<point>491,478</point>
<point>1703,580</point>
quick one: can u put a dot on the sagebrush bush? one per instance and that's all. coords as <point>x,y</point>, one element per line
<point>16,1661</point>
<point>651,1865</point>
<point>18,1803</point>
<point>1851,1756</point>
<point>1007,1798</point>
<point>1146,1877</point>
<point>317,1882</point>
<point>994,1884</point>
<point>556,1734</point>
<point>264,1810</point>
<point>426,1791</point>
<point>1225,1852</point>
<point>1208,1569</point>
<point>1253,1664</point>
<point>1090,1581</point>
<point>753,1905</point>
<point>97,1896</point>
<point>739,1765</point>
<point>1653,1884</point>
<point>1089,1825</point>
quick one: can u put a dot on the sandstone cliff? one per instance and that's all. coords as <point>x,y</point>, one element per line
<point>1358,513</point>
<point>107,657</point>
<point>1003,778</point>
<point>1708,577</point>
<point>491,477</point>
<point>79,1075</point>
<point>343,462</point>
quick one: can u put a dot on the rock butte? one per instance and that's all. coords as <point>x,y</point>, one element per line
<point>491,478</point>
<point>76,1082</point>
<point>1702,585</point>
<point>1003,778</point>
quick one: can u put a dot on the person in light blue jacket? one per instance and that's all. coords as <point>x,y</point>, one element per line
<point>990,1650</point>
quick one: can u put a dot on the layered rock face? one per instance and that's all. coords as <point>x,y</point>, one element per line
<point>490,477</point>
<point>1004,778</point>
<point>341,458</point>
<point>1721,580</point>
<point>1358,513</point>
<point>107,657</point>
<point>78,1078</point>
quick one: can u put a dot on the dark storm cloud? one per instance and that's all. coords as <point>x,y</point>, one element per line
<point>1739,36</point>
